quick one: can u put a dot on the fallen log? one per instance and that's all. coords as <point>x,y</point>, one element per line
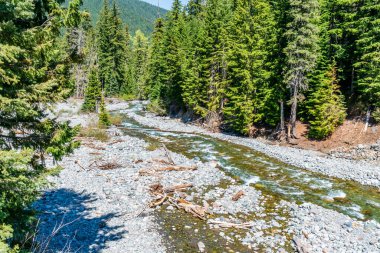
<point>167,153</point>
<point>109,166</point>
<point>223,224</point>
<point>238,195</point>
<point>175,188</point>
<point>177,168</point>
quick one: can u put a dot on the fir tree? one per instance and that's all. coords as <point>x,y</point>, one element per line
<point>104,33</point>
<point>156,63</point>
<point>368,47</point>
<point>104,118</point>
<point>172,75</point>
<point>301,51</point>
<point>34,73</point>
<point>325,106</point>
<point>251,38</point>
<point>118,50</point>
<point>140,58</point>
<point>93,92</point>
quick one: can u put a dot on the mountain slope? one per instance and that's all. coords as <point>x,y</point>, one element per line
<point>137,14</point>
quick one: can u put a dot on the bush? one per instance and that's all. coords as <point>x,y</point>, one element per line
<point>156,107</point>
<point>325,107</point>
<point>19,185</point>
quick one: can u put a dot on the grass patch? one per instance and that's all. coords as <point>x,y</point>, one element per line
<point>128,97</point>
<point>93,132</point>
<point>116,119</point>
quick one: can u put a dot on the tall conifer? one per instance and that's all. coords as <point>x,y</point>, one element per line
<point>301,51</point>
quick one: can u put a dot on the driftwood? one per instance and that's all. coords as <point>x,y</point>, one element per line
<point>77,163</point>
<point>223,224</point>
<point>163,195</point>
<point>167,153</point>
<point>109,166</point>
<point>147,172</point>
<point>160,161</point>
<point>238,195</point>
<point>177,168</point>
<point>300,246</point>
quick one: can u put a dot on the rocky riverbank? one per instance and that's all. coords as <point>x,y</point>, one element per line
<point>101,198</point>
<point>361,171</point>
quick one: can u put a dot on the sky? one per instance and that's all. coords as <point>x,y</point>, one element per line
<point>166,4</point>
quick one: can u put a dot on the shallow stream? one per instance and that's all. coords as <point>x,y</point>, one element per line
<point>271,176</point>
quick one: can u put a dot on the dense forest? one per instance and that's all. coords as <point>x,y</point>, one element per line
<point>244,64</point>
<point>247,65</point>
<point>137,14</point>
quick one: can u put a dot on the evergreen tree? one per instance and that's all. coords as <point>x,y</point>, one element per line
<point>104,118</point>
<point>172,75</point>
<point>301,51</point>
<point>140,58</point>
<point>34,73</point>
<point>93,92</point>
<point>112,50</point>
<point>118,49</point>
<point>325,106</point>
<point>251,38</point>
<point>156,63</point>
<point>368,47</point>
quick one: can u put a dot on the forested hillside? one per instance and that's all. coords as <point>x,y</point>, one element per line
<point>137,14</point>
<point>244,64</point>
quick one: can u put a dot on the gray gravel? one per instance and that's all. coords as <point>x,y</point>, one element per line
<point>361,171</point>
<point>106,210</point>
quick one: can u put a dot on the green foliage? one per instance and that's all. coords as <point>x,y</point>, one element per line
<point>325,106</point>
<point>139,15</point>
<point>138,64</point>
<point>34,73</point>
<point>112,50</point>
<point>251,39</point>
<point>235,59</point>
<point>92,93</point>
<point>104,118</point>
<point>155,78</point>
<point>368,49</point>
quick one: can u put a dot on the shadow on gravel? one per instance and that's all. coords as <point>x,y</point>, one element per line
<point>82,228</point>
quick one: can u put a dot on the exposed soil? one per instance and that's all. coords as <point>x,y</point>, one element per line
<point>347,136</point>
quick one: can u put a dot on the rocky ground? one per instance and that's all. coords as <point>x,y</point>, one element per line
<point>362,171</point>
<point>100,203</point>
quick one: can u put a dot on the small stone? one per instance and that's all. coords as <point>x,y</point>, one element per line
<point>201,246</point>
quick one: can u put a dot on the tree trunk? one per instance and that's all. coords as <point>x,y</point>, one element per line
<point>367,117</point>
<point>293,114</point>
<point>282,124</point>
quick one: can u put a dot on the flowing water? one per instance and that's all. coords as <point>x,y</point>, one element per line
<point>269,175</point>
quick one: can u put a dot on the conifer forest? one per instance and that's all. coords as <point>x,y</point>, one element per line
<point>269,110</point>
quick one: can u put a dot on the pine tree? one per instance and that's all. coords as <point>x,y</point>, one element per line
<point>93,92</point>
<point>251,38</point>
<point>140,60</point>
<point>156,63</point>
<point>118,50</point>
<point>112,50</point>
<point>104,118</point>
<point>104,37</point>
<point>34,73</point>
<point>172,75</point>
<point>368,47</point>
<point>325,106</point>
<point>301,51</point>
